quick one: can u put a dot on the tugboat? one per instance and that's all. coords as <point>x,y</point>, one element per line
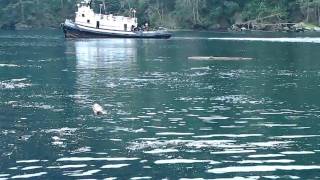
<point>88,24</point>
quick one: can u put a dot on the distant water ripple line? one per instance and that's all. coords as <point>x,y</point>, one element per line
<point>239,169</point>
<point>94,159</point>
<point>291,40</point>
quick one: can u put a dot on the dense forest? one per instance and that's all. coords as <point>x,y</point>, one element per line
<point>174,14</point>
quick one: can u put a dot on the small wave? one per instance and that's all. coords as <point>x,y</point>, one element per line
<point>233,152</point>
<point>271,143</point>
<point>87,173</point>
<point>138,178</point>
<point>295,136</point>
<point>13,85</point>
<point>114,166</point>
<point>173,134</point>
<point>265,155</point>
<point>25,176</point>
<point>184,161</point>
<point>31,167</point>
<point>75,159</point>
<point>266,161</point>
<point>68,166</point>
<point>229,135</point>
<point>213,118</point>
<point>276,125</point>
<point>31,161</point>
<point>297,152</point>
<point>186,143</point>
<point>8,65</point>
<point>161,151</point>
<point>241,169</point>
<point>62,131</point>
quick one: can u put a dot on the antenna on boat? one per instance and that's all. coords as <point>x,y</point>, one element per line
<point>133,12</point>
<point>104,7</point>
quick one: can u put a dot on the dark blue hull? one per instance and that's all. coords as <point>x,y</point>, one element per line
<point>75,32</point>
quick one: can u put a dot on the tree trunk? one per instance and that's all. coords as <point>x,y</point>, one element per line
<point>61,4</point>
<point>318,9</point>
<point>308,9</point>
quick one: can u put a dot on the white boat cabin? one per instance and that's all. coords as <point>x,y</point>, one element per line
<point>85,16</point>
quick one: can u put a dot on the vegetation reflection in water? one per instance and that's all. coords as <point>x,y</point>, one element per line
<point>167,116</point>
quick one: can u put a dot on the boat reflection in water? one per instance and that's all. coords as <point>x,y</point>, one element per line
<point>102,68</point>
<point>105,53</point>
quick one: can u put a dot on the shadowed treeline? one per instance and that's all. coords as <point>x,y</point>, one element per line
<point>187,14</point>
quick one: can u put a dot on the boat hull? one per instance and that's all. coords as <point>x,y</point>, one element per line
<point>75,31</point>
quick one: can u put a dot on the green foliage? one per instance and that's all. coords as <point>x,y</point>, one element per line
<point>206,14</point>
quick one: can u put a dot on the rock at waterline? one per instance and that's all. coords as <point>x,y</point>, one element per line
<point>97,109</point>
<point>206,58</point>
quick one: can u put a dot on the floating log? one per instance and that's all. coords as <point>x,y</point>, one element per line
<point>213,58</point>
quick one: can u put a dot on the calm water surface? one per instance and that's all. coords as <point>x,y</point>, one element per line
<point>168,117</point>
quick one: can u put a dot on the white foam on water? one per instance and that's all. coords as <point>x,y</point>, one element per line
<point>253,118</point>
<point>87,173</point>
<point>212,143</point>
<point>13,85</point>
<point>148,139</point>
<point>184,161</point>
<point>110,178</point>
<point>132,118</point>
<point>284,39</point>
<point>240,178</point>
<point>231,127</point>
<point>77,159</point>
<point>25,176</point>
<point>28,161</point>
<point>68,166</point>
<point>58,143</point>
<point>114,166</point>
<point>265,155</point>
<point>297,152</point>
<point>31,167</point>
<point>241,169</point>
<point>179,142</point>
<point>161,151</point>
<point>266,161</point>
<point>271,177</point>
<point>277,125</point>
<point>8,65</point>
<point>229,135</point>
<point>301,128</point>
<point>137,178</point>
<point>270,143</point>
<point>173,134</point>
<point>293,177</point>
<point>116,140</point>
<point>210,118</point>
<point>82,150</point>
<point>62,131</point>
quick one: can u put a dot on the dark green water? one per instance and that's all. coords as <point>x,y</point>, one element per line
<point>167,117</point>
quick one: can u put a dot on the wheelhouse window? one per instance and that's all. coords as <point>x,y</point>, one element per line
<point>88,21</point>
<point>82,15</point>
